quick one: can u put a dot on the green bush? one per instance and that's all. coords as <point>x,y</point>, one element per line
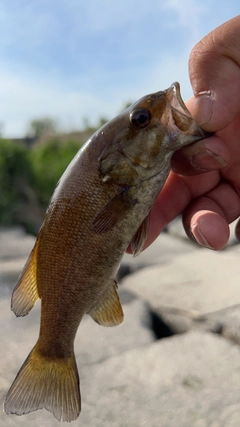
<point>28,178</point>
<point>15,174</point>
<point>49,160</point>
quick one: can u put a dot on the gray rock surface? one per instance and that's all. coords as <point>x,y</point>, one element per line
<point>200,280</point>
<point>128,379</point>
<point>190,380</point>
<point>15,246</point>
<point>161,252</point>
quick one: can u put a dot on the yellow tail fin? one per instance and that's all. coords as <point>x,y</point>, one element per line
<point>47,383</point>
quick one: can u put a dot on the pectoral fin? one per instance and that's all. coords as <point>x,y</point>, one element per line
<point>25,293</point>
<point>108,312</point>
<point>140,236</point>
<point>113,212</point>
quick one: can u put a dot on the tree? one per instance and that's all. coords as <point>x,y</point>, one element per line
<point>15,176</point>
<point>39,128</point>
<point>49,160</point>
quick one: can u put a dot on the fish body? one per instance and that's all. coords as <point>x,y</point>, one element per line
<point>100,205</point>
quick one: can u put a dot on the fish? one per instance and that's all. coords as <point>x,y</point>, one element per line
<point>100,206</point>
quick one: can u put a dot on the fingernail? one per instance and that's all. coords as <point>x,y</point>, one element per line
<point>207,160</point>
<point>199,237</point>
<point>202,107</point>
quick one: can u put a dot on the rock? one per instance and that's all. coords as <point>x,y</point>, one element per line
<point>15,243</point>
<point>225,322</point>
<point>189,380</point>
<point>161,252</point>
<point>15,247</point>
<point>200,280</point>
<point>177,321</point>
<point>95,343</point>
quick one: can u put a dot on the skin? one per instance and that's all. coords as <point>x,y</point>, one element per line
<point>205,182</point>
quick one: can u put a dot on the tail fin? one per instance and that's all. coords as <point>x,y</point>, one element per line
<point>47,383</point>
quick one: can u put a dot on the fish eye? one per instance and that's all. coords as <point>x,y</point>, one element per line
<point>140,118</point>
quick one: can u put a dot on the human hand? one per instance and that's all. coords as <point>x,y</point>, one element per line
<point>209,201</point>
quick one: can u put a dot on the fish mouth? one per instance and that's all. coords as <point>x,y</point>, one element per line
<point>182,117</point>
<point>175,99</point>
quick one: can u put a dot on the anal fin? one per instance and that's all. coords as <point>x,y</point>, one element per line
<point>108,312</point>
<point>25,293</point>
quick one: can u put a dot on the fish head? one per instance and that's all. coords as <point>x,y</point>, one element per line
<point>140,141</point>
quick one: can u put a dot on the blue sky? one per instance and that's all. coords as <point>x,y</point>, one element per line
<point>76,59</point>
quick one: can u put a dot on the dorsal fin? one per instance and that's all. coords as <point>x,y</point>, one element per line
<point>25,293</point>
<point>108,312</point>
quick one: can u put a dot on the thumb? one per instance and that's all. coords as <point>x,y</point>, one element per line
<point>214,70</point>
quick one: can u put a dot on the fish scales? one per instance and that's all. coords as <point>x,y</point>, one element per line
<point>100,205</point>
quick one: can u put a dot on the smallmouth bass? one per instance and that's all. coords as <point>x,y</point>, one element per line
<point>100,205</point>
